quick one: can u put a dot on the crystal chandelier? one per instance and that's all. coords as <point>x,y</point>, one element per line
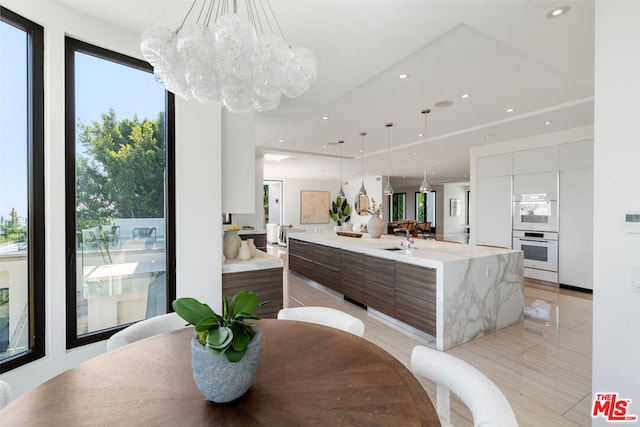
<point>425,187</point>
<point>388,190</point>
<point>225,59</point>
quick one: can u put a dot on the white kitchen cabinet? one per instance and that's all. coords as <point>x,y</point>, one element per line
<point>575,233</point>
<point>238,163</point>
<point>537,183</point>
<point>575,155</point>
<point>497,165</point>
<point>493,220</point>
<point>543,159</point>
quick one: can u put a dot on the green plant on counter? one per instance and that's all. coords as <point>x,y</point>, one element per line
<point>228,334</point>
<point>340,211</point>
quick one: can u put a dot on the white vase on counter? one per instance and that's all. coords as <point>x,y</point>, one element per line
<point>230,244</point>
<point>244,253</point>
<point>375,226</point>
<point>252,247</point>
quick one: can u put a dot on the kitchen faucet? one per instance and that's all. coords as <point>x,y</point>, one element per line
<point>407,233</point>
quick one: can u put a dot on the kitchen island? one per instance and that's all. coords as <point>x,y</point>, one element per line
<point>452,292</point>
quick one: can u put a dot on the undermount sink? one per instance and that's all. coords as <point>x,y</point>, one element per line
<point>395,248</point>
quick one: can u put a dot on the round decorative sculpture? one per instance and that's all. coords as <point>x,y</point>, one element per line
<point>231,244</point>
<point>375,226</point>
<point>220,380</point>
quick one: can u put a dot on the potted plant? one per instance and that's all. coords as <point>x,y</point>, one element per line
<point>340,211</point>
<point>226,349</point>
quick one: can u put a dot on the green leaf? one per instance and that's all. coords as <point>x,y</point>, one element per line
<point>206,324</point>
<point>192,310</point>
<point>344,205</point>
<point>240,338</point>
<point>339,201</point>
<point>245,315</point>
<point>219,338</point>
<point>243,302</point>
<point>347,218</point>
<point>233,355</point>
<point>347,210</point>
<point>333,216</point>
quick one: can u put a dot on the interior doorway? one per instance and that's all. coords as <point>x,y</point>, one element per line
<point>272,201</point>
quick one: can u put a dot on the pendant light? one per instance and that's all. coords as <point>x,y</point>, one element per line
<point>362,200</point>
<point>388,190</point>
<point>425,187</point>
<point>340,191</point>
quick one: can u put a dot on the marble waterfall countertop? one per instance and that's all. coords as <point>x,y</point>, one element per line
<point>261,261</point>
<point>479,290</point>
<point>427,253</point>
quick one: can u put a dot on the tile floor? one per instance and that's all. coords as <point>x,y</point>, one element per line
<point>542,365</point>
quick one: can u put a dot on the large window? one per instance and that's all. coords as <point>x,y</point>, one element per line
<point>21,191</point>
<point>426,208</point>
<point>119,192</point>
<point>397,208</point>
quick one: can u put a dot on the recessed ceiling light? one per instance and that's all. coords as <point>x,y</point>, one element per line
<point>403,76</point>
<point>325,117</point>
<point>487,136</point>
<point>443,104</point>
<point>281,140</point>
<point>465,96</point>
<point>324,146</point>
<point>548,122</point>
<point>558,12</point>
<point>510,110</point>
<point>420,135</point>
<point>415,153</point>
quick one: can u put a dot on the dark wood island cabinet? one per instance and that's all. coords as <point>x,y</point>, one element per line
<point>402,291</point>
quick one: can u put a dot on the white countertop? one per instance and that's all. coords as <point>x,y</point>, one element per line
<point>261,261</point>
<point>254,231</point>
<point>430,253</point>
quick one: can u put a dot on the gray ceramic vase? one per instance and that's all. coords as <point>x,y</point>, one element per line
<point>218,379</point>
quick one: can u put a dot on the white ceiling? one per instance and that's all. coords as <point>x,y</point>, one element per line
<point>503,53</point>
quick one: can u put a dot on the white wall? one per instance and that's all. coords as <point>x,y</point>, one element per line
<point>453,224</point>
<point>198,186</point>
<point>616,310</point>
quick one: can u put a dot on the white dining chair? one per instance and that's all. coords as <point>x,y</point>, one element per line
<point>146,328</point>
<point>487,403</point>
<point>324,316</point>
<point>5,393</point>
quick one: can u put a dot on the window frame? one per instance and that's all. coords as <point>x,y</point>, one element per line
<point>71,47</point>
<point>35,189</point>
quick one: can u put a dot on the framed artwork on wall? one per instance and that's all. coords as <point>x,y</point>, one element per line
<point>455,207</point>
<point>226,218</point>
<point>314,207</point>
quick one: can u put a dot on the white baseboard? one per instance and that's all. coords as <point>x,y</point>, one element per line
<point>547,276</point>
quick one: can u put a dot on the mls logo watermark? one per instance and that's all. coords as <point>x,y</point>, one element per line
<point>611,408</point>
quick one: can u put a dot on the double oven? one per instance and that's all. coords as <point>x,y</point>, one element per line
<point>535,232</point>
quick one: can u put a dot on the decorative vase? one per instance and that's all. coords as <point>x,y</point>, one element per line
<point>375,226</point>
<point>218,379</point>
<point>252,247</point>
<point>245,251</point>
<point>231,244</point>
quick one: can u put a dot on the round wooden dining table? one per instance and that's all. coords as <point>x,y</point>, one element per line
<point>309,375</point>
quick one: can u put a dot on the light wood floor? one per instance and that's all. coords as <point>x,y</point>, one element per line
<point>542,365</point>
